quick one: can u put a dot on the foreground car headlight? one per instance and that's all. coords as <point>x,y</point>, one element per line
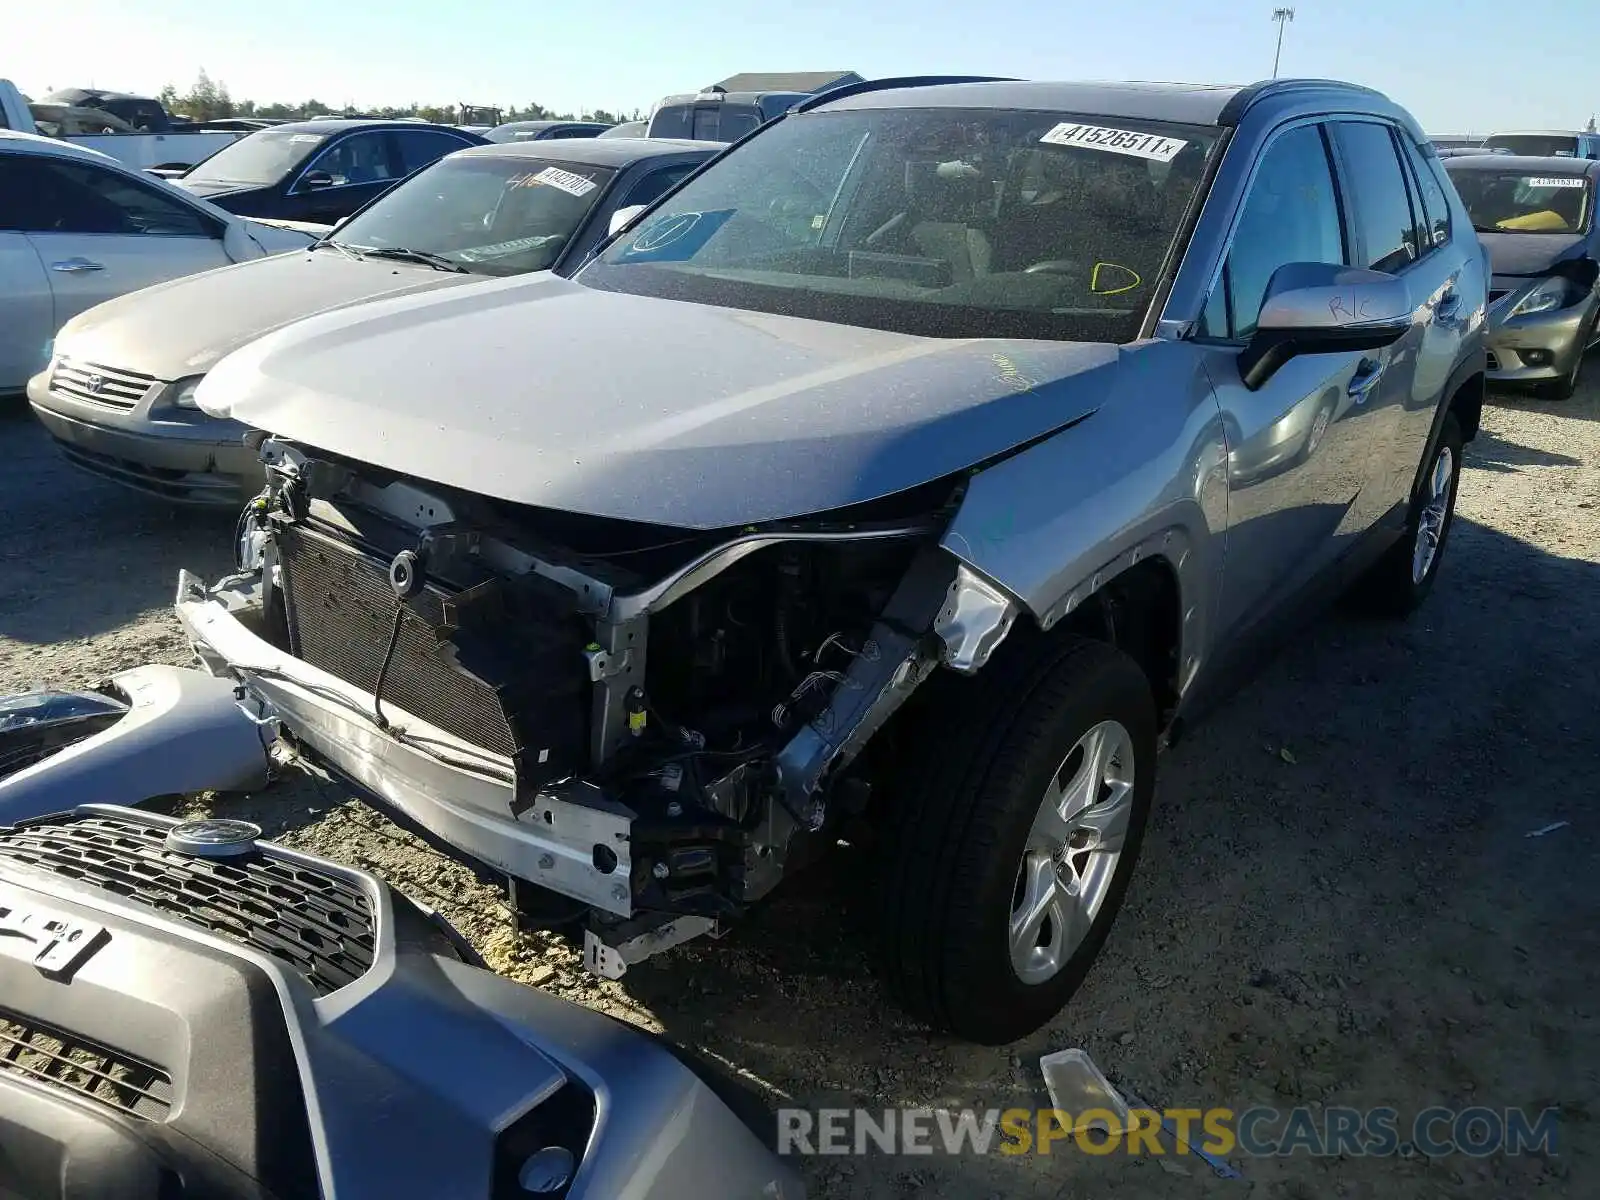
<point>1553,293</point>
<point>181,394</point>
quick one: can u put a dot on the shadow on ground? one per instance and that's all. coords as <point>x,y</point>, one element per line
<point>81,556</point>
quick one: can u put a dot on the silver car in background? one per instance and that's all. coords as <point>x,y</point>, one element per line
<point>1536,216</point>
<point>488,212</point>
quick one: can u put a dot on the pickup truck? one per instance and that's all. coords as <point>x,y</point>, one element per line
<point>161,144</point>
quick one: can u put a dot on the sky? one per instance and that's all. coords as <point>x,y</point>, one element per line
<point>1459,67</point>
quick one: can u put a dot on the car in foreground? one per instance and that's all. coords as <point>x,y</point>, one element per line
<point>948,465</point>
<point>542,131</point>
<point>191,1010</point>
<point>78,228</point>
<point>489,211</point>
<point>1536,216</point>
<point>1546,143</point>
<point>321,170</point>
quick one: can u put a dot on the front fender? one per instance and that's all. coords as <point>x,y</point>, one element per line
<point>1142,477</point>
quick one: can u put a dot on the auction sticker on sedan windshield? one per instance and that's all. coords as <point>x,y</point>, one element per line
<point>1116,141</point>
<point>566,181</point>
<point>1555,181</point>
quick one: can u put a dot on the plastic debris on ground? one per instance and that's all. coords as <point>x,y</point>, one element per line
<point>1077,1086</point>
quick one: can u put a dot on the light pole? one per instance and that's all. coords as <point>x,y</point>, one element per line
<point>1282,16</point>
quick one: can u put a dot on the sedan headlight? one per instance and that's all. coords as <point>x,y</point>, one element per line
<point>182,393</point>
<point>1553,293</point>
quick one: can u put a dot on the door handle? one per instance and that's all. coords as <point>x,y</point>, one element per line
<point>71,266</point>
<point>1368,372</point>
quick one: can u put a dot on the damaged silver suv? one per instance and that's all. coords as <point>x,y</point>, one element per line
<point>965,436</point>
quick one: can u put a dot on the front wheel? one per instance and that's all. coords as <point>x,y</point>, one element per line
<point>1401,580</point>
<point>1014,841</point>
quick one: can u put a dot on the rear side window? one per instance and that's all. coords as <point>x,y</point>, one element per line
<point>1379,200</point>
<point>421,147</point>
<point>1433,222</point>
<point>654,185</point>
<point>672,121</point>
<point>1291,215</point>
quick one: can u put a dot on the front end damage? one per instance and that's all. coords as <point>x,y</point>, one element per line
<point>640,727</point>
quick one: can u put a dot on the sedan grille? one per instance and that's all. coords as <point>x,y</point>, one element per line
<point>316,923</point>
<point>107,386</point>
<point>52,1056</point>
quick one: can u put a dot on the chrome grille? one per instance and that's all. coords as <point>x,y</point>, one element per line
<point>60,1059</point>
<point>315,923</point>
<point>99,384</point>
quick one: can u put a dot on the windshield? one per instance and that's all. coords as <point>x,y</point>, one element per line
<point>1513,202</point>
<point>948,222</point>
<point>488,215</point>
<point>257,158</point>
<point>1535,145</point>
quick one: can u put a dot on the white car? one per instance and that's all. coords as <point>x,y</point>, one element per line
<point>78,228</point>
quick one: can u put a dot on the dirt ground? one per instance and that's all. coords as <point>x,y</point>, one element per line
<point>1339,902</point>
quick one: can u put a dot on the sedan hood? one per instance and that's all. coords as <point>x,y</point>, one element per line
<point>211,187</point>
<point>540,391</point>
<point>1530,253</point>
<point>184,326</point>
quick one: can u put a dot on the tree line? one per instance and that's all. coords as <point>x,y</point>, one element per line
<point>209,100</point>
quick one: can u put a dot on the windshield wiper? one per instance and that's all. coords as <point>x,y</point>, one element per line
<point>404,253</point>
<point>348,251</point>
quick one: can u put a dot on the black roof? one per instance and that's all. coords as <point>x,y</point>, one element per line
<point>79,95</point>
<point>786,81</point>
<point>1525,164</point>
<point>345,124</point>
<point>1182,103</point>
<point>599,152</point>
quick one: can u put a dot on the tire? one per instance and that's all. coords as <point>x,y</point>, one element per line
<point>1393,586</point>
<point>960,826</point>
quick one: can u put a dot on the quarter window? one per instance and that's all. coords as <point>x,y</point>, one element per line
<point>1381,207</point>
<point>1434,219</point>
<point>1291,215</point>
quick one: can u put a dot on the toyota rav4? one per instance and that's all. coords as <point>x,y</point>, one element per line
<point>967,437</point>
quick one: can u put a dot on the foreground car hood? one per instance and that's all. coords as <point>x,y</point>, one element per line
<point>540,391</point>
<point>182,327</point>
<point>1530,253</point>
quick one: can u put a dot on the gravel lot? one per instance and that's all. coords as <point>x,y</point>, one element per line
<point>1338,902</point>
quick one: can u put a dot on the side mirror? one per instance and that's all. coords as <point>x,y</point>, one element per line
<point>316,181</point>
<point>624,217</point>
<point>1316,308</point>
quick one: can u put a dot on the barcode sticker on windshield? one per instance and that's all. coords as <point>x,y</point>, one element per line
<point>305,137</point>
<point>555,177</point>
<point>1115,141</point>
<point>1554,181</point>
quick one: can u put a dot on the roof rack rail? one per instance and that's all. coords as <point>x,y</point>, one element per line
<point>1245,97</point>
<point>899,81</point>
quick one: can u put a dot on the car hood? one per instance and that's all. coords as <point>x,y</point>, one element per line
<point>540,391</point>
<point>182,327</point>
<point>1530,253</point>
<point>212,187</point>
